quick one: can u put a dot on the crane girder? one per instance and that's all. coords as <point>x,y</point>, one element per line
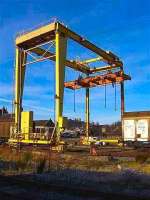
<point>72,64</point>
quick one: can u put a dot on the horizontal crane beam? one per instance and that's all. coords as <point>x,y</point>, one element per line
<point>92,60</point>
<point>51,56</point>
<point>79,66</point>
<point>108,56</point>
<point>47,33</point>
<point>36,37</point>
<point>103,68</point>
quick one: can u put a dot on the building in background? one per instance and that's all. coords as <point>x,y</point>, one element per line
<point>6,121</point>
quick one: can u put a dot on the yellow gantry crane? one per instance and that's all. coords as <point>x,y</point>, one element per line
<point>31,44</point>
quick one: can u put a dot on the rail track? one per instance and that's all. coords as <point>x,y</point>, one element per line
<point>122,152</point>
<point>100,151</point>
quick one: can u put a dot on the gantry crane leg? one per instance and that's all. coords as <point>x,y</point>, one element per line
<point>122,105</point>
<point>87,112</point>
<point>61,47</point>
<point>122,99</point>
<point>19,84</point>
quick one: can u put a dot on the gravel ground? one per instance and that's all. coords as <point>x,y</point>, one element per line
<point>76,185</point>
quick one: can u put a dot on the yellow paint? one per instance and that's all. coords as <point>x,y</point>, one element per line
<point>91,60</point>
<point>28,141</point>
<point>26,123</point>
<point>61,45</point>
<point>111,141</point>
<point>108,140</point>
<point>19,85</point>
<point>35,33</point>
<point>17,88</point>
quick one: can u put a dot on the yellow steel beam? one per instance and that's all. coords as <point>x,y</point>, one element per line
<point>61,47</point>
<point>23,68</point>
<point>79,66</point>
<point>17,88</point>
<point>106,55</point>
<point>92,60</point>
<point>43,33</point>
<point>103,68</point>
<point>72,64</point>
<point>19,83</point>
<point>47,33</point>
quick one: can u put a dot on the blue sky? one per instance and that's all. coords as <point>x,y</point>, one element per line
<point>121,26</point>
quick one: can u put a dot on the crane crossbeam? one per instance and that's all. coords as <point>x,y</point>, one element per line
<point>47,33</point>
<point>51,56</point>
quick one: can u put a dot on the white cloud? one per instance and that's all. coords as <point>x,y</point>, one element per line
<point>6,90</point>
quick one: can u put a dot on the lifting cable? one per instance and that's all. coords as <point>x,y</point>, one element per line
<point>79,78</point>
<point>115,97</point>
<point>13,90</point>
<point>105,95</point>
<point>74,100</point>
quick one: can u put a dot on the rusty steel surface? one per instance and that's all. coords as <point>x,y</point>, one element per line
<point>93,81</point>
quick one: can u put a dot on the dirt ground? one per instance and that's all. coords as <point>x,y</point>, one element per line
<point>76,185</point>
<point>32,173</point>
<point>14,161</point>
